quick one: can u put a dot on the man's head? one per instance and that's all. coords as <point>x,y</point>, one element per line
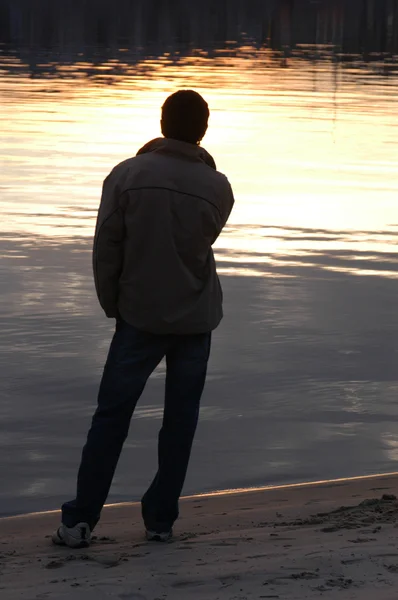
<point>185,115</point>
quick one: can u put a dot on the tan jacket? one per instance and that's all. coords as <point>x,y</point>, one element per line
<point>153,261</point>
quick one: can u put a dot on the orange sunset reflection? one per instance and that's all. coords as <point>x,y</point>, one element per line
<point>305,145</point>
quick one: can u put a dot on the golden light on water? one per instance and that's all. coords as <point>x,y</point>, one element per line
<point>305,147</point>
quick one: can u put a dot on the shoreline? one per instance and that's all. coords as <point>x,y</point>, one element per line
<point>291,542</point>
<point>228,492</point>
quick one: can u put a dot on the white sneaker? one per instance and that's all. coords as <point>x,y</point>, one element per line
<point>155,536</point>
<point>74,537</point>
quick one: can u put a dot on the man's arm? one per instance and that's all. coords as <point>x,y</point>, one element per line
<point>221,215</point>
<point>227,205</point>
<point>108,251</point>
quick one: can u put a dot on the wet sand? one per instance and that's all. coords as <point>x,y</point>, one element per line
<point>332,540</point>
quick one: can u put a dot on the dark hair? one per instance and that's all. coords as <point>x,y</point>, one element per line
<point>184,116</point>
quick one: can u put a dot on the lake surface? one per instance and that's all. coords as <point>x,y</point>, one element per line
<point>303,381</point>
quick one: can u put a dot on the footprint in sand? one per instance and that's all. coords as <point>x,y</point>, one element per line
<point>224,544</point>
<point>184,584</point>
<point>254,556</point>
<point>229,579</point>
<point>352,561</point>
<point>340,582</point>
<point>305,575</point>
<point>54,564</point>
<point>103,540</point>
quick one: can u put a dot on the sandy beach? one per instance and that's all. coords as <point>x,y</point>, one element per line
<point>332,540</point>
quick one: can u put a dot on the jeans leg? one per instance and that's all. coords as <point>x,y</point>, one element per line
<point>187,361</point>
<point>132,357</point>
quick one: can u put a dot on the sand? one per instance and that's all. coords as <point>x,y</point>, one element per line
<point>330,540</point>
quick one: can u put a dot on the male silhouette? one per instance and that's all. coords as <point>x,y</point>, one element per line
<point>155,273</point>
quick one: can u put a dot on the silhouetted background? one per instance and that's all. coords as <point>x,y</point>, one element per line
<point>150,27</point>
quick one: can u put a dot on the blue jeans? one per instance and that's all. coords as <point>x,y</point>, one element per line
<point>133,356</point>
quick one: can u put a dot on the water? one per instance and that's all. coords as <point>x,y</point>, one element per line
<point>303,377</point>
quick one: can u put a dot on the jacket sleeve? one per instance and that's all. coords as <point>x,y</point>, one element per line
<point>221,215</point>
<point>108,251</point>
<point>227,205</point>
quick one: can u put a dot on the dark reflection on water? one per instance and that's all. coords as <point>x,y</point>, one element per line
<point>303,379</point>
<point>354,25</point>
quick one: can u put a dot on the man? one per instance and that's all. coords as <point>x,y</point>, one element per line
<point>154,273</point>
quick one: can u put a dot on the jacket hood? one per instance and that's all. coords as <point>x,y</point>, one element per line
<point>168,145</point>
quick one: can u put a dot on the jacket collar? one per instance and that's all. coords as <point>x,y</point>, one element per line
<point>170,146</point>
